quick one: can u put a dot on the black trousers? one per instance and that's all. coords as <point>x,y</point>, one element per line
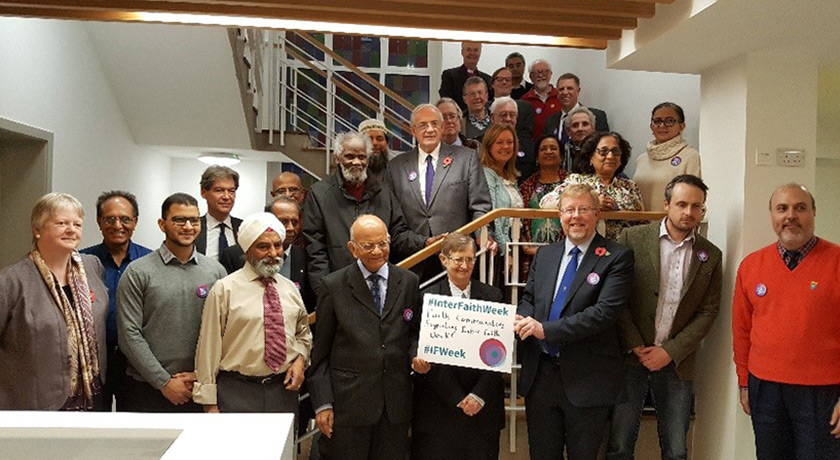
<point>455,446</point>
<point>114,377</point>
<point>791,421</point>
<point>381,441</point>
<point>238,393</point>
<point>554,422</point>
<point>137,396</point>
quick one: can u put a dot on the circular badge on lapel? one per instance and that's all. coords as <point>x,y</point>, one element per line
<point>676,161</point>
<point>412,176</point>
<point>702,255</point>
<point>408,315</point>
<point>202,291</point>
<point>593,278</point>
<point>520,154</point>
<point>760,290</point>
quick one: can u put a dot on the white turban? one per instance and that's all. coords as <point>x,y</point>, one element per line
<point>255,225</point>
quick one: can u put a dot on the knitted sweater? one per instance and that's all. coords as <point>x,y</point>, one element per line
<point>661,163</point>
<point>786,324</point>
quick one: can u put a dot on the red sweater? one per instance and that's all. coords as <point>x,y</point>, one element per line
<point>791,333</point>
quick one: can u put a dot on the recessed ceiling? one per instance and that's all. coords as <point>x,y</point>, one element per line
<point>570,23</point>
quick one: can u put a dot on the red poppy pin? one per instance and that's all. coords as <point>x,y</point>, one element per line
<point>447,161</point>
<point>92,297</point>
<point>601,252</point>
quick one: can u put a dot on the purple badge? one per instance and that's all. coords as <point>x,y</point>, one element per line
<point>202,291</point>
<point>408,315</point>
<point>297,285</point>
<point>412,176</point>
<point>538,111</point>
<point>760,290</point>
<point>676,161</point>
<point>593,278</point>
<point>702,255</point>
<point>539,189</point>
<point>520,154</point>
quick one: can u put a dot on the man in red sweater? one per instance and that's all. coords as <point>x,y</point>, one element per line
<point>786,335</point>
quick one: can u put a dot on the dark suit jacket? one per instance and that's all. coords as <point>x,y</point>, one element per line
<point>518,92</point>
<point>587,331</point>
<point>233,258</point>
<point>699,299</point>
<point>459,192</point>
<point>361,361</point>
<point>437,393</point>
<point>201,241</point>
<point>452,84</point>
<point>553,123</point>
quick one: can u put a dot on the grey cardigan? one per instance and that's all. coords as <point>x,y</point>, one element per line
<point>34,368</point>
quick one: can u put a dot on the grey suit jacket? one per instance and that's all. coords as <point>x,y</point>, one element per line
<point>33,337</point>
<point>361,360</point>
<point>459,192</point>
<point>699,301</point>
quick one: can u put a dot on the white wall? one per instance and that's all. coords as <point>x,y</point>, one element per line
<point>250,198</point>
<point>51,78</point>
<point>827,186</point>
<point>627,96</point>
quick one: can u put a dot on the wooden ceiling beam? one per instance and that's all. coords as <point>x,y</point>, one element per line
<point>344,16</point>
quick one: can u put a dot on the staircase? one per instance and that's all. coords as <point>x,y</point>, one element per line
<point>297,94</point>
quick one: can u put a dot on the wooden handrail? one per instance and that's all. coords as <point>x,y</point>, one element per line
<point>357,70</point>
<point>524,213</point>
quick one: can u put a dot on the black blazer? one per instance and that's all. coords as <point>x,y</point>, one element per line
<point>201,241</point>
<point>587,331</point>
<point>519,91</point>
<point>437,393</point>
<point>452,84</point>
<point>361,361</point>
<point>553,122</point>
<point>233,258</point>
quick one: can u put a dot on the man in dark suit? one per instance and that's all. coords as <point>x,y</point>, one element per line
<point>365,349</point>
<point>458,412</point>
<point>452,80</point>
<point>515,62</point>
<point>568,88</point>
<point>676,299</point>
<point>567,321</point>
<point>287,211</point>
<point>218,228</point>
<point>440,187</point>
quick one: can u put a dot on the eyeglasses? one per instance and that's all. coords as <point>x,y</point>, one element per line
<point>473,94</point>
<point>424,125</point>
<point>450,116</point>
<point>503,79</point>
<point>615,151</point>
<point>667,122</point>
<point>582,210</point>
<point>286,190</point>
<point>125,220</point>
<point>462,260</point>
<point>181,221</point>
<point>541,72</point>
<point>369,247</point>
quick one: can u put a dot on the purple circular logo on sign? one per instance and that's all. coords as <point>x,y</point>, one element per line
<point>492,352</point>
<point>202,291</point>
<point>676,161</point>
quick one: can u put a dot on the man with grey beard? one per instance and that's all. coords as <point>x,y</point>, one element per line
<point>376,131</point>
<point>255,340</point>
<point>334,203</point>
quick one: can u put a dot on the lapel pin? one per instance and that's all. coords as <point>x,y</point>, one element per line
<point>202,291</point>
<point>447,161</point>
<point>702,255</point>
<point>408,315</point>
<point>760,290</point>
<point>814,285</point>
<point>412,176</point>
<point>520,154</point>
<point>676,161</point>
<point>593,278</point>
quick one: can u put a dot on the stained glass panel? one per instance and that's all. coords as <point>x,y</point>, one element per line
<point>361,51</point>
<point>415,89</point>
<point>408,53</point>
<point>346,104</point>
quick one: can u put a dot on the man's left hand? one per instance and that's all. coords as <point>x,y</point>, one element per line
<point>421,366</point>
<point>654,358</point>
<point>526,327</point>
<point>835,420</point>
<point>294,375</point>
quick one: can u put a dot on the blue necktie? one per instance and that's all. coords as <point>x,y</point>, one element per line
<point>223,244</point>
<point>562,292</point>
<point>430,178</point>
<point>374,290</point>
<point>564,136</point>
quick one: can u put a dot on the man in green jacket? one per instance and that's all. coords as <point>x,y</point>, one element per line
<point>676,297</point>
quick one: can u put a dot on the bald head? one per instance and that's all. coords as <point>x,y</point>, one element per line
<point>289,184</point>
<point>369,242</point>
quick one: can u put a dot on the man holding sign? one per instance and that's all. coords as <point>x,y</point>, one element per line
<point>360,383</point>
<point>572,368</point>
<point>458,412</point>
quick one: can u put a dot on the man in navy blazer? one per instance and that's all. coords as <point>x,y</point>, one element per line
<point>572,368</point>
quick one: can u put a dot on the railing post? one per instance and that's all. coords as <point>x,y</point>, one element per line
<point>272,84</point>
<point>282,86</point>
<point>482,267</point>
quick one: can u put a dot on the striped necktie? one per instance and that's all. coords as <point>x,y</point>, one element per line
<point>275,327</point>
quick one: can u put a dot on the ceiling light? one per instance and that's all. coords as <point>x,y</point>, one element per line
<point>219,158</point>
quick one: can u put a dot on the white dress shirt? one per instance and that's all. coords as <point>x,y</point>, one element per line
<point>674,260</point>
<point>383,280</point>
<point>212,250</point>
<point>421,167</point>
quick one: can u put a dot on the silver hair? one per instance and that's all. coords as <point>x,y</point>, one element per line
<point>349,137</point>
<point>51,203</point>
<point>531,66</point>
<point>449,100</point>
<point>500,101</point>
<point>568,120</point>
<point>425,107</point>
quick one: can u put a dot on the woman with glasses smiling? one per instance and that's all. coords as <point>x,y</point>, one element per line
<point>603,157</point>
<point>667,155</point>
<point>53,305</point>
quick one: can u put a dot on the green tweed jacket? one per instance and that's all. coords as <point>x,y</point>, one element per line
<point>699,300</point>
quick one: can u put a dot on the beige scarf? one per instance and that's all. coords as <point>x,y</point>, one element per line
<point>667,149</point>
<point>81,336</point>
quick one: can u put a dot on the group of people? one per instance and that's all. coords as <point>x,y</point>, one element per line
<point>217,318</point>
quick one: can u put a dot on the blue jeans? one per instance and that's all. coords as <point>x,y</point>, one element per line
<point>672,398</point>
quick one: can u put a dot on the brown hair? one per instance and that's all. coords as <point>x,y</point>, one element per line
<point>509,171</point>
<point>455,242</point>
